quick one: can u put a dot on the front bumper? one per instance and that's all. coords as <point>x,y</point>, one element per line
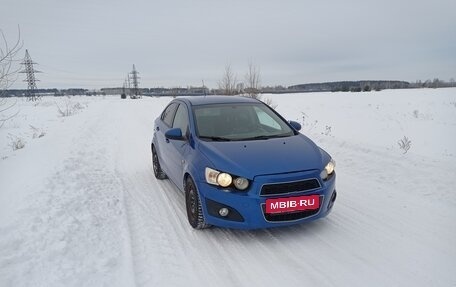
<point>247,209</point>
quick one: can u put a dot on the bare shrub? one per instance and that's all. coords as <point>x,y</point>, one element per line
<point>69,108</point>
<point>252,80</point>
<point>16,142</point>
<point>8,74</point>
<point>304,116</point>
<point>404,144</point>
<point>8,71</point>
<point>269,102</point>
<point>307,123</point>
<point>328,130</point>
<point>229,82</point>
<point>37,133</point>
<point>7,111</point>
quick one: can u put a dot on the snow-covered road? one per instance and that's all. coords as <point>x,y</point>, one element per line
<point>81,207</point>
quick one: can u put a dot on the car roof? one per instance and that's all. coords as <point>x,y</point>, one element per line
<point>208,100</point>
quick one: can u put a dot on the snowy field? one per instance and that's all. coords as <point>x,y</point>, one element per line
<point>79,205</point>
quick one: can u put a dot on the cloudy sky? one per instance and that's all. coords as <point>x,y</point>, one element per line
<point>94,43</point>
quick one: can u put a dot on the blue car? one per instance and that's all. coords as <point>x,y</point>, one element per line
<point>240,164</point>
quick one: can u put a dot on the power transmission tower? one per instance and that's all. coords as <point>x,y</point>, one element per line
<point>135,79</point>
<point>30,71</point>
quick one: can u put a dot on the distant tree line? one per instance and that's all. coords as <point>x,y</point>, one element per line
<point>350,86</point>
<point>51,92</point>
<point>366,86</point>
<point>435,83</point>
<point>176,91</point>
<point>251,88</point>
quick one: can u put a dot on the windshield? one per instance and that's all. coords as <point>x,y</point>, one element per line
<point>236,122</point>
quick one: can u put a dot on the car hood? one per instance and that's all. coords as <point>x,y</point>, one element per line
<point>261,157</point>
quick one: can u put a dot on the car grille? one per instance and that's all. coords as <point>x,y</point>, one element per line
<point>290,187</point>
<point>290,216</point>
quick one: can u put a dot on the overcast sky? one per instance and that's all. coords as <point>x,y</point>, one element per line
<point>94,43</point>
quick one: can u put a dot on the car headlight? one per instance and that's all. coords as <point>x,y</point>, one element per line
<point>211,175</point>
<point>224,179</point>
<point>241,183</point>
<point>328,170</point>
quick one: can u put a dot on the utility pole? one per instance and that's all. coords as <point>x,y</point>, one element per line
<point>124,95</point>
<point>204,88</point>
<point>30,71</point>
<point>128,85</point>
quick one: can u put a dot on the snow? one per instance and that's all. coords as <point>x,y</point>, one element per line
<point>79,206</point>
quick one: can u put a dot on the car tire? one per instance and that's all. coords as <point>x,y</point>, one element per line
<point>193,205</point>
<point>158,172</point>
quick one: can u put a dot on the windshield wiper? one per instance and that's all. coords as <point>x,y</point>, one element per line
<point>215,139</point>
<point>265,137</point>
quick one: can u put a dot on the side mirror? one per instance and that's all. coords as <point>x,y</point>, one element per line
<point>174,134</point>
<point>295,125</point>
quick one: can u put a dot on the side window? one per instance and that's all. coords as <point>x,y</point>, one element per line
<point>181,119</point>
<point>168,114</point>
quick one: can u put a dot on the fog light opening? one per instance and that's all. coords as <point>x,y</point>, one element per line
<point>332,200</point>
<point>224,211</point>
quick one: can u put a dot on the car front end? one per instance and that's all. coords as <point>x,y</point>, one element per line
<point>244,190</point>
<point>233,208</point>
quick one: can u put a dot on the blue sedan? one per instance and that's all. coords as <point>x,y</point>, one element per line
<point>240,164</point>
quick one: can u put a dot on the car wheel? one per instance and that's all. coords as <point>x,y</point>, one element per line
<point>158,172</point>
<point>193,204</point>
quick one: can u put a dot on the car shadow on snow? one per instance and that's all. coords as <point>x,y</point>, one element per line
<point>301,231</point>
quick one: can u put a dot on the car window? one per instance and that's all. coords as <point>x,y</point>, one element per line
<point>168,114</point>
<point>239,121</point>
<point>181,119</point>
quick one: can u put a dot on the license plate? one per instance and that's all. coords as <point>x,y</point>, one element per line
<point>289,204</point>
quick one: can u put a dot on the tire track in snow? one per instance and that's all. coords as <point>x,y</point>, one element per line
<point>341,249</point>
<point>156,256</point>
<point>67,230</point>
<point>121,227</point>
<point>193,252</point>
<point>226,256</point>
